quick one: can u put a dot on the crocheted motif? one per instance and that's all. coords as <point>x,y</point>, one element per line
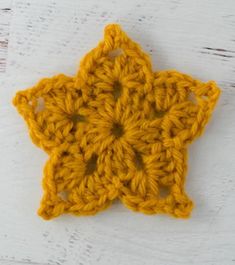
<point>116,130</point>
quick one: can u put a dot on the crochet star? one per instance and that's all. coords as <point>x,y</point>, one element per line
<point>116,130</point>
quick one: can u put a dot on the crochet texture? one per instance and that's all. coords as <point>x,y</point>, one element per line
<point>116,130</point>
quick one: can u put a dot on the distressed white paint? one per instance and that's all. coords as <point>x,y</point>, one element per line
<point>47,37</point>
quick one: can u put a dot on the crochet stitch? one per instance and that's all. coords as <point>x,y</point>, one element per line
<point>116,130</point>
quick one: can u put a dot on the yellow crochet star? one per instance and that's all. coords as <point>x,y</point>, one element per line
<point>116,130</point>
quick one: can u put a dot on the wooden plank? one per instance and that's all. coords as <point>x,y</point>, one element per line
<point>42,38</point>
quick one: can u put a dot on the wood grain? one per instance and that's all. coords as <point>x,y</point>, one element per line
<point>43,38</point>
<point>5,16</point>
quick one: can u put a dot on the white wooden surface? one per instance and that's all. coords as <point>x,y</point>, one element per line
<point>42,38</point>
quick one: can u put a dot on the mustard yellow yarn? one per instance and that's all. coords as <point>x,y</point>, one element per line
<point>116,130</point>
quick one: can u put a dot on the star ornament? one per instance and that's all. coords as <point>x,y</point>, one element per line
<point>116,130</point>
